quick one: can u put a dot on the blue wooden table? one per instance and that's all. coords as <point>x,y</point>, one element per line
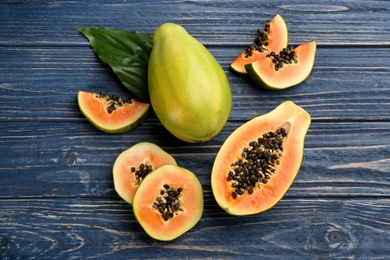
<point>57,198</point>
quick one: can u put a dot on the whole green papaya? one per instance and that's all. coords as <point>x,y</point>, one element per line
<point>188,88</point>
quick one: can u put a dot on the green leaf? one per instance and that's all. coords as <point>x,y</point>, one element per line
<point>127,53</point>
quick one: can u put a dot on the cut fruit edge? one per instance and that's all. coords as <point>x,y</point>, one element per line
<point>278,32</point>
<point>120,120</point>
<point>264,75</point>
<point>149,154</point>
<point>296,116</point>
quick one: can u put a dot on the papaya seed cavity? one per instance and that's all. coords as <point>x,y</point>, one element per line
<point>285,56</point>
<point>168,203</point>
<point>113,102</point>
<point>141,171</point>
<point>260,43</point>
<point>257,162</point>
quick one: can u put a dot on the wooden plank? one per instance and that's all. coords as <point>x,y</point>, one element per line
<point>215,22</point>
<point>47,159</point>
<point>304,229</point>
<point>342,85</point>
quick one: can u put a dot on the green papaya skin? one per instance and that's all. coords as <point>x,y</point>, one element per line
<point>189,91</point>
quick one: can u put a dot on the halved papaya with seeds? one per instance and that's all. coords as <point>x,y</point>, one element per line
<point>132,165</point>
<point>259,161</point>
<point>112,114</point>
<point>169,202</point>
<point>283,69</point>
<point>274,37</point>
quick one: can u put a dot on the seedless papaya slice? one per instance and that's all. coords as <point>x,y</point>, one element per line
<point>132,165</point>
<point>259,161</point>
<point>112,114</point>
<point>274,37</point>
<point>285,69</point>
<point>169,202</point>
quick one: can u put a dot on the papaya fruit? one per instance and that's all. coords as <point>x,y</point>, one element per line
<point>273,38</point>
<point>259,161</point>
<point>189,91</point>
<point>286,69</point>
<point>112,114</point>
<point>169,202</point>
<point>132,165</point>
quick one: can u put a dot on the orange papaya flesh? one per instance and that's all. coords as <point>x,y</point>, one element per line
<point>169,202</point>
<point>112,114</point>
<point>271,178</point>
<point>132,165</point>
<point>272,74</point>
<point>274,37</point>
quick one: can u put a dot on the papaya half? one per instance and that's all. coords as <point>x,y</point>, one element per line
<point>112,114</point>
<point>259,161</point>
<point>189,91</point>
<point>134,164</point>
<point>169,202</point>
<point>273,38</point>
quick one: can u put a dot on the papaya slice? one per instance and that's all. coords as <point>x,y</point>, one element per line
<point>286,69</point>
<point>274,37</point>
<point>169,202</point>
<point>259,161</point>
<point>112,114</point>
<point>132,165</point>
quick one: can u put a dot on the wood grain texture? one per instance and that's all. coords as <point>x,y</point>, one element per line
<point>89,229</point>
<point>57,199</point>
<point>341,85</point>
<point>213,22</point>
<point>74,159</point>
